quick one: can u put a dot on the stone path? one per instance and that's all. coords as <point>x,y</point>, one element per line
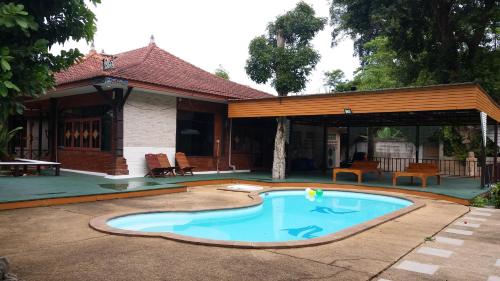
<point>467,249</point>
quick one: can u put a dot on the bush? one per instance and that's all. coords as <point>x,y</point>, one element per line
<point>479,201</point>
<point>495,195</point>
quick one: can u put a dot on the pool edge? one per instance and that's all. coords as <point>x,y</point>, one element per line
<point>100,224</point>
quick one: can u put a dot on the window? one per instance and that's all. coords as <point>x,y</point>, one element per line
<point>195,133</point>
<point>82,133</point>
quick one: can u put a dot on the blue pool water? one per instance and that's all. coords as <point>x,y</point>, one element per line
<point>283,216</point>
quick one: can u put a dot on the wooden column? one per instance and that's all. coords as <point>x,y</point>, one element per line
<point>370,151</point>
<point>325,146</point>
<point>53,115</point>
<point>348,145</point>
<point>417,144</point>
<point>118,122</point>
<point>483,165</point>
<point>495,152</point>
<point>22,136</point>
<point>40,134</point>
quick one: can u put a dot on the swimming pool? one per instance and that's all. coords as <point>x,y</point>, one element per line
<point>283,216</point>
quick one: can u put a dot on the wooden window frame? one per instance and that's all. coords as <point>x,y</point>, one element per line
<point>73,121</point>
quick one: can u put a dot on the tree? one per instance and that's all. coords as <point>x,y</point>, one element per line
<point>437,41</point>
<point>380,68</point>
<point>285,57</point>
<point>222,73</point>
<point>334,80</point>
<point>27,31</point>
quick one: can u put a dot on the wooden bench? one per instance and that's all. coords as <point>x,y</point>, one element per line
<point>359,168</point>
<point>24,163</point>
<point>419,170</point>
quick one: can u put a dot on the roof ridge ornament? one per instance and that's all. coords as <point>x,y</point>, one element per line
<point>152,40</point>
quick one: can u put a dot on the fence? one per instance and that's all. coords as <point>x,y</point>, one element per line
<point>461,168</point>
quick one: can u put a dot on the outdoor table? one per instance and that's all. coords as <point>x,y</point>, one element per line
<point>24,163</point>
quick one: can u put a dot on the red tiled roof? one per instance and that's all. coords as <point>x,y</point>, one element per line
<point>153,65</point>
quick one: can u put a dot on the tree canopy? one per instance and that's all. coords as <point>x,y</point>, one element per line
<point>284,55</point>
<point>27,31</point>
<point>222,73</point>
<point>334,79</point>
<point>432,41</point>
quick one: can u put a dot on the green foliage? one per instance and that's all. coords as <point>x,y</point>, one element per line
<point>335,80</point>
<point>286,66</point>
<point>380,67</point>
<point>5,137</point>
<point>479,201</point>
<point>389,133</point>
<point>458,141</point>
<point>495,195</point>
<point>222,73</point>
<point>433,41</point>
<point>27,30</point>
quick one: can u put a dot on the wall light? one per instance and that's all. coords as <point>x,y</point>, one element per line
<point>347,111</point>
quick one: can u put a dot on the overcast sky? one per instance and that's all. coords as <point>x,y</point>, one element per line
<point>208,33</point>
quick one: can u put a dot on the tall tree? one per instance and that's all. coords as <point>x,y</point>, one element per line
<point>221,72</point>
<point>334,80</point>
<point>27,31</point>
<point>285,57</point>
<point>438,41</point>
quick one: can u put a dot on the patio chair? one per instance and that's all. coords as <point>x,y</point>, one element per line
<point>183,166</point>
<point>359,168</point>
<point>165,164</point>
<point>155,168</point>
<point>419,170</point>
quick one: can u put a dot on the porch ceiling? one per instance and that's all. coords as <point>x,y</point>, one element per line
<point>432,105</point>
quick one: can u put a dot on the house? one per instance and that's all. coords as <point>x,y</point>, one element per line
<point>107,111</point>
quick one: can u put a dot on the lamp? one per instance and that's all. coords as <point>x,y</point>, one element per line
<point>347,111</point>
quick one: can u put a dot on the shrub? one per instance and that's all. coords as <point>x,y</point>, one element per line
<point>479,201</point>
<point>495,195</point>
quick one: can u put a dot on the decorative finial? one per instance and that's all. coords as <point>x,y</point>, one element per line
<point>102,51</point>
<point>152,39</point>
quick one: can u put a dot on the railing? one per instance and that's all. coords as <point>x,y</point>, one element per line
<point>34,154</point>
<point>462,168</point>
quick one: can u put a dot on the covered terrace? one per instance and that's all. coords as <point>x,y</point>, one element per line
<point>412,108</point>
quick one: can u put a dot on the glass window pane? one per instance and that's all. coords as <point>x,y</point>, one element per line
<point>195,133</point>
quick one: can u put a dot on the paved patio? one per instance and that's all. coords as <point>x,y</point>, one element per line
<point>467,249</point>
<point>56,243</point>
<point>73,184</point>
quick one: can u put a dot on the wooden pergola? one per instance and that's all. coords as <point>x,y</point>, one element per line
<point>439,105</point>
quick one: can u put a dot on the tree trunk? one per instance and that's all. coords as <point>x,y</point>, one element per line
<point>279,159</point>
<point>279,163</point>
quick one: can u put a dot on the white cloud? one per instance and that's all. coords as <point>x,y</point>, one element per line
<point>208,33</point>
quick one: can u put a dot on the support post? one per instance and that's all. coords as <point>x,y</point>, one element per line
<point>417,144</point>
<point>348,145</point>
<point>40,133</point>
<point>483,166</point>
<point>23,141</point>
<point>370,151</point>
<point>53,129</point>
<point>118,122</point>
<point>495,152</point>
<point>325,146</point>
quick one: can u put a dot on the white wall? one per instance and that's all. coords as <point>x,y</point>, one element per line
<point>149,126</point>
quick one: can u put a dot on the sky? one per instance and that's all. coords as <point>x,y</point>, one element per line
<point>209,33</point>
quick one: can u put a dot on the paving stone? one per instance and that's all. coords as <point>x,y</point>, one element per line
<point>459,231</point>
<point>435,252</point>
<point>418,267</point>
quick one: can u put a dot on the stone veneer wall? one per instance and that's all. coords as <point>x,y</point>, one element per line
<point>149,127</point>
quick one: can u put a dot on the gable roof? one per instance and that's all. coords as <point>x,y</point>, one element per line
<point>156,66</point>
